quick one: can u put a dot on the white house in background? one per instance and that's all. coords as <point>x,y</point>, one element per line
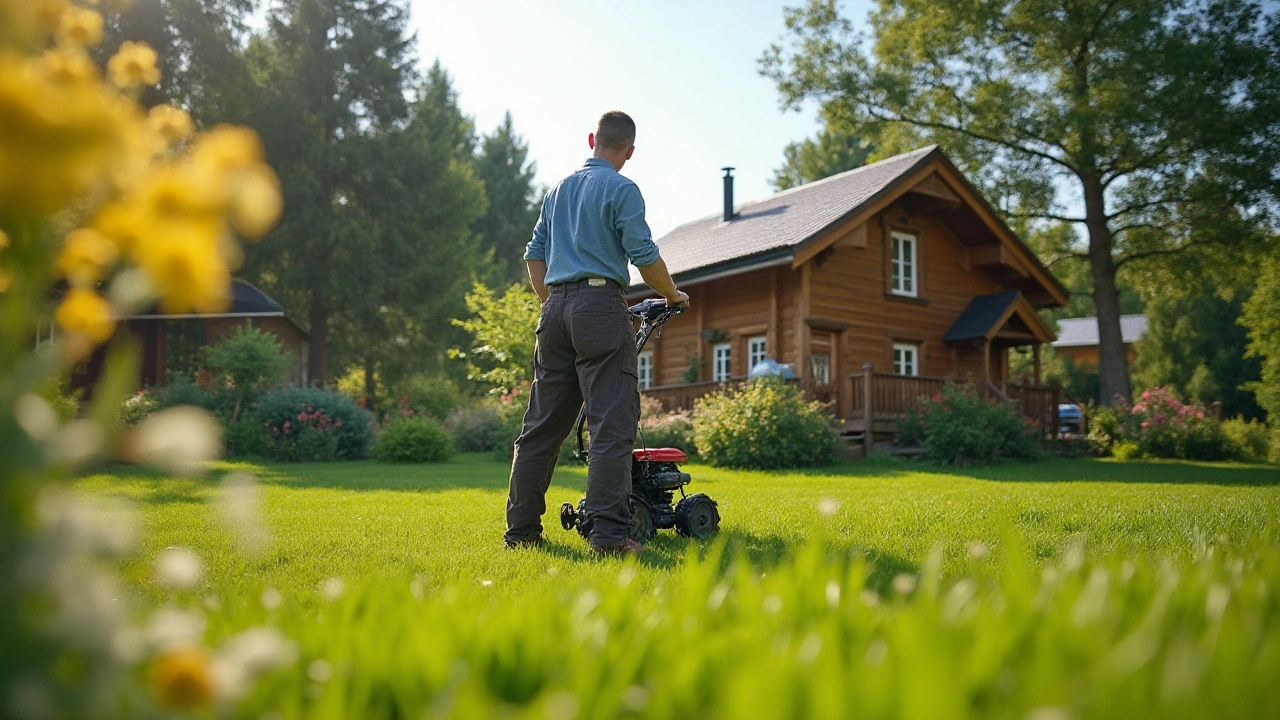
<point>1078,338</point>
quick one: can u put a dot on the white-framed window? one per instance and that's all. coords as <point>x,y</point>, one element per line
<point>45,334</point>
<point>722,357</point>
<point>644,369</point>
<point>757,350</point>
<point>903,278</point>
<point>906,359</point>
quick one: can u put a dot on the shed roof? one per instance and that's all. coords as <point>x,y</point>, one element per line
<point>1082,332</point>
<point>247,301</point>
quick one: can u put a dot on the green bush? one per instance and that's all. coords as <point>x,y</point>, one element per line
<point>64,401</point>
<point>510,419</point>
<point>244,438</point>
<point>414,440</point>
<point>245,363</point>
<point>1125,450</point>
<point>475,428</point>
<point>303,424</point>
<point>764,425</point>
<point>1251,438</point>
<point>959,427</point>
<point>434,395</point>
<point>674,430</point>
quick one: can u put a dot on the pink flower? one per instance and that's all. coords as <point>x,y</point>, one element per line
<point>1146,394</point>
<point>1159,417</point>
<point>1145,424</point>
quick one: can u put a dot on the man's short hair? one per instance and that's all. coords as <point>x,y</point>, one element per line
<point>616,130</point>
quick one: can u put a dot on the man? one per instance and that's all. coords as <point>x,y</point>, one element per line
<point>591,224</point>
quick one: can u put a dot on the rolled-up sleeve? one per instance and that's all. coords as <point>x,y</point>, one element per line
<point>629,221</point>
<point>536,248</point>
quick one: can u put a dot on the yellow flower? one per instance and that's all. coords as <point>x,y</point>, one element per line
<point>133,65</point>
<point>70,65</point>
<point>186,268</point>
<point>85,257</point>
<point>121,222</point>
<point>79,26</point>
<point>49,12</point>
<point>182,679</point>
<point>255,201</point>
<point>84,314</point>
<point>5,281</point>
<point>58,139</point>
<point>226,148</point>
<point>4,240</point>
<point>172,124</point>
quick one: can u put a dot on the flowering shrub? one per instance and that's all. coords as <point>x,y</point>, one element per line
<point>414,440</point>
<point>308,424</point>
<point>511,407</point>
<point>1162,426</point>
<point>671,430</point>
<point>957,426</point>
<point>763,425</point>
<point>136,408</point>
<point>475,428</point>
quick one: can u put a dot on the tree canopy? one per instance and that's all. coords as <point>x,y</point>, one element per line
<point>1152,125</point>
<point>833,151</point>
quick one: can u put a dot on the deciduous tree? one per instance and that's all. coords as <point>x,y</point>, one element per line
<point>1154,125</point>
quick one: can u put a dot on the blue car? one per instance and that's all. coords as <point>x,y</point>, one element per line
<point>1070,419</point>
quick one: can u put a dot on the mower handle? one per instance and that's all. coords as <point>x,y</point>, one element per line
<point>653,307</point>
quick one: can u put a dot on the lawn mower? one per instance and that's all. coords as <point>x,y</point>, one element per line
<point>655,472</point>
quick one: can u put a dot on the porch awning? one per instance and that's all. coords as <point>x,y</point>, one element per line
<point>1005,316</point>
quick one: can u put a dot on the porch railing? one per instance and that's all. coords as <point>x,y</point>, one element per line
<point>892,395</point>
<point>682,397</point>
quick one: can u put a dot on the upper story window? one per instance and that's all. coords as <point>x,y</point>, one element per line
<point>644,369</point>
<point>906,359</point>
<point>757,350</point>
<point>903,278</point>
<point>722,355</point>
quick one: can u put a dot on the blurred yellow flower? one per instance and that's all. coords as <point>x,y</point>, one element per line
<point>85,257</point>
<point>182,679</point>
<point>226,148</point>
<point>133,65</point>
<point>4,240</point>
<point>121,222</point>
<point>84,314</point>
<point>171,123</point>
<point>49,12</point>
<point>70,65</point>
<point>58,139</point>
<point>5,280</point>
<point>187,271</point>
<point>80,26</point>
<point>255,201</point>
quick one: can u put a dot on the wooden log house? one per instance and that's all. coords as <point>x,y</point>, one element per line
<point>900,265</point>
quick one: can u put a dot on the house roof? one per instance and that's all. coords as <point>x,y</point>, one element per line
<point>772,231</point>
<point>1082,332</point>
<point>986,316</point>
<point>247,301</point>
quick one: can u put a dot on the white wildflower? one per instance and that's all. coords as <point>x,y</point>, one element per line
<point>833,594</point>
<point>319,671</point>
<point>171,627</point>
<point>35,416</point>
<point>332,589</point>
<point>239,503</point>
<point>75,443</point>
<point>828,507</point>
<point>270,598</point>
<point>635,698</point>
<point>246,655</point>
<point>978,549</point>
<point>903,583</point>
<point>178,568</point>
<point>181,440</point>
<point>561,706</point>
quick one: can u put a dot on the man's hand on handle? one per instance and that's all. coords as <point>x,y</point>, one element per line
<point>681,299</point>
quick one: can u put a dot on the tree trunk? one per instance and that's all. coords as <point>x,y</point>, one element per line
<point>1113,365</point>
<point>318,348</point>
<point>370,385</point>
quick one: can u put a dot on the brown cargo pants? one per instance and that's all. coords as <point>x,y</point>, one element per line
<point>585,350</point>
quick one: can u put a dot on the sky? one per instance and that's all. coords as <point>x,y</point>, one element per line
<point>685,70</point>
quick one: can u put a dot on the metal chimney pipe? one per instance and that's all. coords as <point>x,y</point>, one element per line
<point>728,193</point>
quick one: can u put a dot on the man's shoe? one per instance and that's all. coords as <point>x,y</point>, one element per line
<point>534,542</point>
<point>626,547</point>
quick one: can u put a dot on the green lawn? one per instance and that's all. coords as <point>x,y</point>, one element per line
<point>797,614</point>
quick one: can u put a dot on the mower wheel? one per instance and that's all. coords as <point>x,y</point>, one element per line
<point>568,516</point>
<point>642,525</point>
<point>584,523</point>
<point>697,516</point>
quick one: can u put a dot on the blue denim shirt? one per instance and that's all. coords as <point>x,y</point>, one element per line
<point>591,223</point>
